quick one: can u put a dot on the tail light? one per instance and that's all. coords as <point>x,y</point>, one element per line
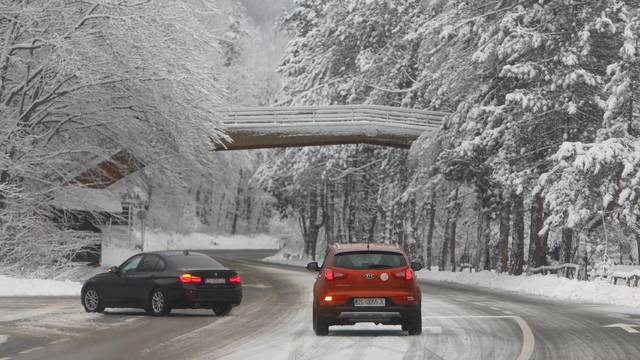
<point>235,279</point>
<point>407,274</point>
<point>188,278</point>
<point>331,274</point>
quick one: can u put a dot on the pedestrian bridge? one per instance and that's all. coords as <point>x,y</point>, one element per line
<point>269,127</point>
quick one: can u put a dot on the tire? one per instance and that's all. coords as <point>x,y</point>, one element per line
<point>320,324</point>
<point>92,300</point>
<point>158,304</point>
<point>222,309</point>
<point>413,325</point>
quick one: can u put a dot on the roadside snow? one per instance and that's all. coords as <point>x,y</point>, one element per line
<point>12,286</point>
<point>283,257</point>
<point>116,249</point>
<point>544,285</point>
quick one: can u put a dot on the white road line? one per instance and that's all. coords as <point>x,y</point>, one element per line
<point>3,339</point>
<point>131,319</point>
<point>495,308</point>
<point>59,341</point>
<point>5,358</point>
<point>31,350</point>
<point>433,329</point>
<point>528,340</point>
<point>507,312</point>
<point>479,303</point>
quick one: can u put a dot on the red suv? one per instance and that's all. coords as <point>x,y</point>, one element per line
<point>366,283</point>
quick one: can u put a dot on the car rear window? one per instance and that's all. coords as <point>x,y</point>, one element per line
<point>369,260</point>
<point>193,261</point>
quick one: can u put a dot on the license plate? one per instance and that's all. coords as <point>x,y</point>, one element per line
<point>368,302</point>
<point>214,281</point>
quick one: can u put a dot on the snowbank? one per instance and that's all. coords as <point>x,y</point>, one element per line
<point>115,251</point>
<point>283,257</point>
<point>11,286</point>
<point>544,285</point>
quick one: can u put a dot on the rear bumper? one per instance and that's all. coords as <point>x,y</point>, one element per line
<point>195,298</point>
<point>348,315</point>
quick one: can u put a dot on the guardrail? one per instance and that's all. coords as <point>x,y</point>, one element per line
<point>387,115</point>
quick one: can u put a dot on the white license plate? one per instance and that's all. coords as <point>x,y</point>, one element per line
<point>368,302</point>
<point>214,281</point>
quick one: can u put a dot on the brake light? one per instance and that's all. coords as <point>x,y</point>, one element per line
<point>407,274</point>
<point>188,278</point>
<point>235,279</point>
<point>330,274</point>
<point>328,298</point>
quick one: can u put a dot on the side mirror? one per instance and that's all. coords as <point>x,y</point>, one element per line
<point>313,266</point>
<point>416,266</point>
<point>113,269</point>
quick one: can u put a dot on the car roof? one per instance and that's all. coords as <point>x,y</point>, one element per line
<point>341,248</point>
<point>174,253</point>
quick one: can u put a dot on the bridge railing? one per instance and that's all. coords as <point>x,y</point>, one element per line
<point>257,116</point>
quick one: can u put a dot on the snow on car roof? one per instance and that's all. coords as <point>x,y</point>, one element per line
<point>364,246</point>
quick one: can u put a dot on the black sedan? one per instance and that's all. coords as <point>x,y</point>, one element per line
<point>160,281</point>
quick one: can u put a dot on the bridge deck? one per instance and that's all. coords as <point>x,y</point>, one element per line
<point>252,128</point>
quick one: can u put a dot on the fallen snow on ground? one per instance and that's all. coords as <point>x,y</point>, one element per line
<point>12,286</point>
<point>156,240</point>
<point>545,285</point>
<point>115,251</point>
<point>283,257</point>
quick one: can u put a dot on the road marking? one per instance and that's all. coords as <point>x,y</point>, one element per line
<point>131,319</point>
<point>433,329</point>
<point>528,340</point>
<point>4,339</point>
<point>256,286</point>
<point>479,304</point>
<point>59,341</point>
<point>495,308</point>
<point>31,350</point>
<point>507,312</point>
<point>626,327</point>
<point>5,358</point>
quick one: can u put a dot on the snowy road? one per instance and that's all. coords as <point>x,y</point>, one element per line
<point>274,322</point>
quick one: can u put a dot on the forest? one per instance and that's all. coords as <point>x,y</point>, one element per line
<point>538,163</point>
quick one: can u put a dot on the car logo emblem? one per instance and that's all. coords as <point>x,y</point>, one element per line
<point>384,276</point>
<point>369,276</point>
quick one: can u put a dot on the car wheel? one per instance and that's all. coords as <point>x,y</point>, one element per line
<point>92,301</point>
<point>158,304</point>
<point>320,324</point>
<point>413,325</point>
<point>222,309</point>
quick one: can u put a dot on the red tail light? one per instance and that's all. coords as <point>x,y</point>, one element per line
<point>407,274</point>
<point>331,274</point>
<point>188,278</point>
<point>235,279</point>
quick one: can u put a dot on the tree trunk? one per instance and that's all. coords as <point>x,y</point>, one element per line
<point>505,221</point>
<point>442,263</point>
<point>452,231</point>
<point>432,219</point>
<point>236,212</point>
<point>567,243</point>
<point>539,243</point>
<point>486,239</point>
<point>518,234</point>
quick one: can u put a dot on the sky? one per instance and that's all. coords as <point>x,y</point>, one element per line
<point>265,12</point>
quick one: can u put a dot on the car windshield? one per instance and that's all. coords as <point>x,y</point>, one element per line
<point>369,260</point>
<point>193,261</point>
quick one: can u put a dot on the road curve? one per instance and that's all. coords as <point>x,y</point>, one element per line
<point>274,322</point>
